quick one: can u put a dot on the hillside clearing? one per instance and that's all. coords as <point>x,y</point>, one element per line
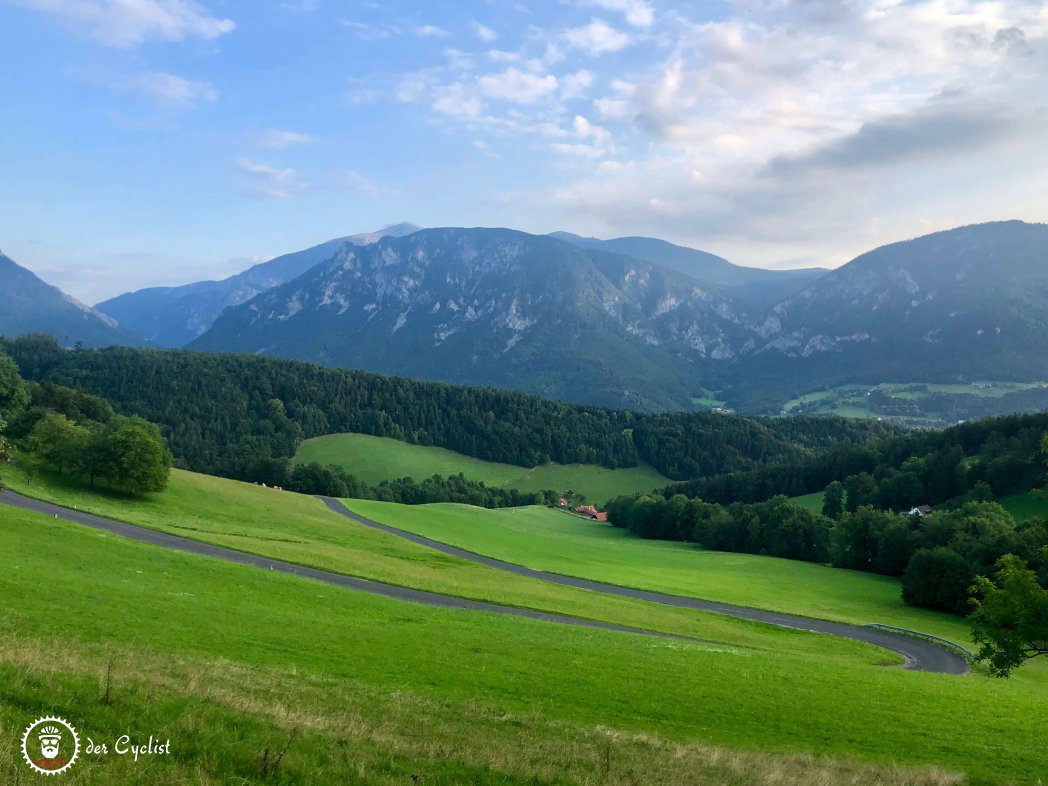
<point>375,459</point>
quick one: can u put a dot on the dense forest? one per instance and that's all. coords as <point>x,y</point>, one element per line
<point>937,556</point>
<point>996,457</point>
<point>71,432</point>
<point>960,471</point>
<point>244,416</point>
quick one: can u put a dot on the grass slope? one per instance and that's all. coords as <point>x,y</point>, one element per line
<point>552,540</point>
<point>301,529</point>
<point>227,660</point>
<point>1025,506</point>
<point>374,459</point>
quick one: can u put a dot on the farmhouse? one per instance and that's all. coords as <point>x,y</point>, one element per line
<point>920,510</point>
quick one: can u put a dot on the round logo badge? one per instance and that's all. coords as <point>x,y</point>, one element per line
<point>50,745</point>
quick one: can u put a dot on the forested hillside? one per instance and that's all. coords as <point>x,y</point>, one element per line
<point>244,416</point>
<point>998,456</point>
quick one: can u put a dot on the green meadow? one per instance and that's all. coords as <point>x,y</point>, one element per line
<point>375,459</point>
<point>234,664</point>
<point>559,542</point>
<point>1026,506</point>
<point>810,502</point>
<point>300,529</point>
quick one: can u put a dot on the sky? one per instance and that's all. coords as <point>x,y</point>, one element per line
<point>158,142</point>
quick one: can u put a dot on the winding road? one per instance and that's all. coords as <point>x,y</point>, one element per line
<point>919,655</point>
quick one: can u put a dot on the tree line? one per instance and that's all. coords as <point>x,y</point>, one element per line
<point>77,434</point>
<point>981,460</point>
<point>333,481</point>
<point>244,416</point>
<point>937,556</point>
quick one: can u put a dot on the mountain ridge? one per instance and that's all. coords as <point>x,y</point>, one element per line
<point>31,305</point>
<point>494,306</point>
<point>174,316</point>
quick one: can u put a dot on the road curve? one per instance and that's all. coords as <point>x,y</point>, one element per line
<point>166,540</point>
<point>919,655</point>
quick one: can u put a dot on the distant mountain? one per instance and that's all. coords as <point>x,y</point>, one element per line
<point>28,305</point>
<point>497,307</point>
<point>174,316</point>
<point>965,304</point>
<point>755,287</point>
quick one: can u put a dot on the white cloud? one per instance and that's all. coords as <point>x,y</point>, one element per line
<point>577,149</point>
<point>269,182</point>
<point>486,149</point>
<point>165,89</point>
<point>597,38</point>
<point>587,130</point>
<point>502,56</point>
<point>575,85</point>
<point>613,108</point>
<point>276,139</point>
<point>349,180</point>
<point>430,31</point>
<point>127,23</point>
<point>788,125</point>
<point>517,86</point>
<point>456,100</point>
<point>638,13</point>
<point>484,33</point>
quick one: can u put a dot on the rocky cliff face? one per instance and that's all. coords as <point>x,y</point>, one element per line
<point>495,306</point>
<point>174,316</point>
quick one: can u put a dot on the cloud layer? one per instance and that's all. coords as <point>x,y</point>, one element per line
<point>127,23</point>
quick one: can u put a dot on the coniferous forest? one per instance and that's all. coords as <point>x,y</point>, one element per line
<point>244,416</point>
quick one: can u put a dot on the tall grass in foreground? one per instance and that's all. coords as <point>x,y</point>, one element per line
<point>228,725</point>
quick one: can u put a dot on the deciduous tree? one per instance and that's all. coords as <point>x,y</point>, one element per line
<point>1010,621</point>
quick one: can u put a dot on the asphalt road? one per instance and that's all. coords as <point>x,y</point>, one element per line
<point>156,538</point>
<point>919,655</point>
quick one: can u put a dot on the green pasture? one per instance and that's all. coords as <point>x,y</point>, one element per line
<point>234,664</point>
<point>555,541</point>
<point>300,529</point>
<point>374,459</point>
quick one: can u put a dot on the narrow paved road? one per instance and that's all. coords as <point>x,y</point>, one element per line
<point>920,655</point>
<point>157,538</point>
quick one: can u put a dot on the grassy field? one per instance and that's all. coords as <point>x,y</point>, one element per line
<point>227,661</point>
<point>911,404</point>
<point>551,540</point>
<point>903,390</point>
<point>374,459</point>
<point>302,530</point>
<point>811,502</point>
<point>1025,506</point>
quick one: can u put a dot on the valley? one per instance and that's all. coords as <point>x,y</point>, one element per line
<point>272,634</point>
<point>359,631</point>
<point>627,323</point>
<point>770,655</point>
<point>923,404</point>
<point>561,393</point>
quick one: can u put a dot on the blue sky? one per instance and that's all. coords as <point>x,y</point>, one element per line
<point>151,142</point>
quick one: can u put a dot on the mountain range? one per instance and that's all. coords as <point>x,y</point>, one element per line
<point>495,307</point>
<point>28,305</point>
<point>630,322</point>
<point>174,316</point>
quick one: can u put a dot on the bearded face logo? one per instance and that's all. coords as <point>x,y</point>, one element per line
<point>50,740</point>
<point>56,741</point>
